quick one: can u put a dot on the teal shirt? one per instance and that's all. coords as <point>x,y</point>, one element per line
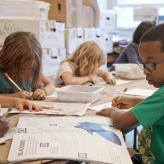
<point>6,87</point>
<point>150,113</point>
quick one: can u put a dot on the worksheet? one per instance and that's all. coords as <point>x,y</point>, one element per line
<point>57,108</point>
<point>140,92</point>
<point>101,106</point>
<point>76,138</point>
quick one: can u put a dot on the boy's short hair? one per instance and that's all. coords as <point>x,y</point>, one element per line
<point>155,34</point>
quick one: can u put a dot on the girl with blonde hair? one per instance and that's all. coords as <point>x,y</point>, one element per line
<point>20,58</point>
<point>83,66</point>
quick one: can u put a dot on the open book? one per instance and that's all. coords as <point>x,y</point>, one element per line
<point>76,138</point>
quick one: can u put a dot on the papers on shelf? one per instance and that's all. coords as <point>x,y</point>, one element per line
<point>57,108</point>
<point>101,106</point>
<point>76,138</point>
<point>140,92</point>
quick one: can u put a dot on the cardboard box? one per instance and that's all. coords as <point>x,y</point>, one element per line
<point>68,11</point>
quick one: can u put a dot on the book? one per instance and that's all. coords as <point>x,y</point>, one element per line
<point>74,138</point>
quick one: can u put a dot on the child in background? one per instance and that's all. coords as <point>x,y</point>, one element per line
<point>21,58</point>
<point>150,112</point>
<point>83,66</point>
<point>17,103</point>
<point>130,54</point>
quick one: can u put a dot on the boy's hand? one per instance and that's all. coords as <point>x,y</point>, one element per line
<point>106,112</point>
<point>3,128</point>
<point>39,94</point>
<point>126,102</point>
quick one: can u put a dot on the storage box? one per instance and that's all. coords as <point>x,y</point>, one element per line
<point>79,93</point>
<point>68,11</point>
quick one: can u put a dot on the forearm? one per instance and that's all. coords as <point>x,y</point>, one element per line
<point>78,80</point>
<point>7,101</point>
<point>123,119</point>
<point>4,95</point>
<point>49,88</point>
<point>104,74</point>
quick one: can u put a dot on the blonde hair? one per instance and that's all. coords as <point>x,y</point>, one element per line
<point>18,55</point>
<point>88,57</point>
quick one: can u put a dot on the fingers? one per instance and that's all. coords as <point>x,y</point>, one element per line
<point>36,107</point>
<point>105,112</point>
<point>39,94</point>
<point>22,104</point>
<point>19,106</point>
<point>24,95</point>
<point>115,101</point>
<point>113,81</point>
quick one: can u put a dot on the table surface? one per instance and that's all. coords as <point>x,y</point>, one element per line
<point>109,92</point>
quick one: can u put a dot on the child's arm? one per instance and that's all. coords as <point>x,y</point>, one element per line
<point>121,119</point>
<point>48,88</point>
<point>108,77</point>
<point>125,102</point>
<point>69,79</point>
<point>20,104</point>
<point>20,94</point>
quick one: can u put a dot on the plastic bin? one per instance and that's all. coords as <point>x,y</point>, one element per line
<point>78,93</point>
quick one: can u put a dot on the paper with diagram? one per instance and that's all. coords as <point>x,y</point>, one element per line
<point>76,138</point>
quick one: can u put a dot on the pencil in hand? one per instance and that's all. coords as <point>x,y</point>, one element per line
<point>12,82</point>
<point>25,94</point>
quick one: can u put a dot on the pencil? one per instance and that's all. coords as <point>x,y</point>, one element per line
<point>125,89</point>
<point>12,81</point>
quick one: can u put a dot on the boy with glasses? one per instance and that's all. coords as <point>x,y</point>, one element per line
<point>149,112</point>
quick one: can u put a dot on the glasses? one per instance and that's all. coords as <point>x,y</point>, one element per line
<point>150,66</point>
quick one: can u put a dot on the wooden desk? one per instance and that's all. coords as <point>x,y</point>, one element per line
<point>109,92</point>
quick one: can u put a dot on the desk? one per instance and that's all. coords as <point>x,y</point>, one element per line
<point>109,92</point>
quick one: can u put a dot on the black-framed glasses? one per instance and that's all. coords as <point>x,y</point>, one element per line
<point>151,66</point>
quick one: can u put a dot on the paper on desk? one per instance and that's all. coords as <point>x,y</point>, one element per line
<point>102,82</point>
<point>68,138</point>
<point>58,108</point>
<point>3,111</point>
<point>8,135</point>
<point>120,81</point>
<point>101,106</point>
<point>140,92</point>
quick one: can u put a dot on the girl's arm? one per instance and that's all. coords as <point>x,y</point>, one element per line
<point>20,104</point>
<point>69,79</point>
<point>108,77</point>
<point>20,94</point>
<point>47,85</point>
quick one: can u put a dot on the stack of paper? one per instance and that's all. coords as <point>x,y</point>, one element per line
<point>75,138</point>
